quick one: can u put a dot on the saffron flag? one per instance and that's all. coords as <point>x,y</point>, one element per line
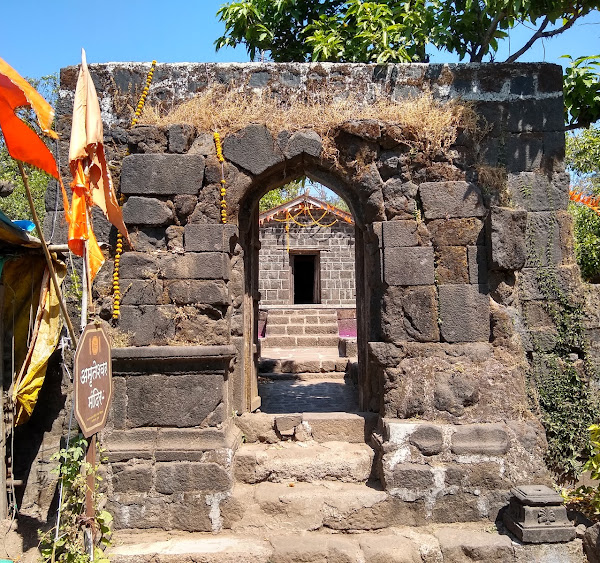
<point>92,183</point>
<point>21,141</point>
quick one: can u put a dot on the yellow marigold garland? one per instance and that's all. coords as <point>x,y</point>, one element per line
<point>119,248</point>
<point>223,189</point>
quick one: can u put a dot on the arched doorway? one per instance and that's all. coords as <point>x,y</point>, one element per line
<point>307,310</point>
<point>248,216</point>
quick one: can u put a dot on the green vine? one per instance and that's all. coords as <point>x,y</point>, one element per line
<point>69,546</point>
<point>561,377</point>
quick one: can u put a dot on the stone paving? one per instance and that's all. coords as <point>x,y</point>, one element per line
<point>316,392</point>
<point>313,395</point>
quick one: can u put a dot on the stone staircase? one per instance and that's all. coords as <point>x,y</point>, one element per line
<point>306,491</point>
<point>300,328</point>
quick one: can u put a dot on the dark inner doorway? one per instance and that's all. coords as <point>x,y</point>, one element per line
<point>305,274</point>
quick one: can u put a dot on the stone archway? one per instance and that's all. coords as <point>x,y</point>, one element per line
<point>305,162</point>
<point>444,280</point>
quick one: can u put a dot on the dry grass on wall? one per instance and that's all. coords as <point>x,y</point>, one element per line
<point>425,124</point>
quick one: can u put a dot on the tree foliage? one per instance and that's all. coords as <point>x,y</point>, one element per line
<point>583,160</point>
<point>391,31</point>
<point>582,92</point>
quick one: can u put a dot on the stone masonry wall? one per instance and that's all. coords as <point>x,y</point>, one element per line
<point>336,245</point>
<point>450,249</point>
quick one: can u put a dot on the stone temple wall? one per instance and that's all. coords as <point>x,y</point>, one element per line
<point>336,260</point>
<point>450,250</point>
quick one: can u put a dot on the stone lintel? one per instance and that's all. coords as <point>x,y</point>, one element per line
<point>162,359</point>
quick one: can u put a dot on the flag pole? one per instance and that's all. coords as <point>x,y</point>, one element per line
<point>63,307</point>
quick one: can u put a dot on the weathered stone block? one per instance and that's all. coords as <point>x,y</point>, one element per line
<point>141,292</point>
<point>537,192</point>
<point>147,239</point>
<point>162,174</point>
<point>544,239</point>
<point>535,115</point>
<point>399,233</point>
<point>148,324</point>
<point>252,148</point>
<point>185,400</point>
<point>453,392</point>
<point>408,476</point>
<point>524,152</point>
<point>209,238</point>
<point>187,292</point>
<point>307,142</point>
<point>480,439</point>
<point>420,306</point>
<point>146,139</point>
<point>565,277</point>
<point>147,211</point>
<point>408,266</point>
<point>474,546</point>
<point>464,313</point>
<point>456,232</point>
<point>428,439</point>
<point>131,478</point>
<point>451,265</point>
<point>507,235</point>
<point>478,265</point>
<point>180,137</point>
<point>399,198</point>
<point>179,477</point>
<point>200,266</point>
<point>451,199</point>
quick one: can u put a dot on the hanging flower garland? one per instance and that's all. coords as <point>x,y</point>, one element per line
<point>119,247</point>
<point>305,210</point>
<point>223,189</point>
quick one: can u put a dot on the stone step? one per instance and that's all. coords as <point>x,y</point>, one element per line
<point>301,376</point>
<point>300,312</point>
<point>312,506</point>
<point>292,329</point>
<point>284,365</point>
<point>301,341</point>
<point>449,543</point>
<point>303,461</point>
<point>303,319</point>
<point>321,427</point>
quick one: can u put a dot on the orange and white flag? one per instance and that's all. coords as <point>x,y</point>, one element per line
<point>92,183</point>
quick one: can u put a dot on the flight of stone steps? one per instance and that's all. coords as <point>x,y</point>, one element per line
<point>305,491</point>
<point>302,328</point>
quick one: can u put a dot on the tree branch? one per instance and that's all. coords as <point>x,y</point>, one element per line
<point>541,34</point>
<point>478,56</point>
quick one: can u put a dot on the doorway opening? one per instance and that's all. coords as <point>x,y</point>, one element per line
<point>306,279</point>
<point>307,301</point>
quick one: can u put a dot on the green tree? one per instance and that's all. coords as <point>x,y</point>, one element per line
<point>583,160</point>
<point>358,30</point>
<point>16,206</point>
<point>279,196</point>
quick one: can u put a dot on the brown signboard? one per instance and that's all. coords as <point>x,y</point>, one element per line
<point>92,380</point>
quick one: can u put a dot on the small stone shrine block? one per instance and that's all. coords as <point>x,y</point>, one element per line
<point>536,514</point>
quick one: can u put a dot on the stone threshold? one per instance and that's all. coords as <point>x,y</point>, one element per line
<point>305,306</point>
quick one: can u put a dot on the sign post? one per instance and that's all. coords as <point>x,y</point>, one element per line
<point>92,382</point>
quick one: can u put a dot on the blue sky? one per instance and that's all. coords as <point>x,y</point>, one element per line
<point>46,36</point>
